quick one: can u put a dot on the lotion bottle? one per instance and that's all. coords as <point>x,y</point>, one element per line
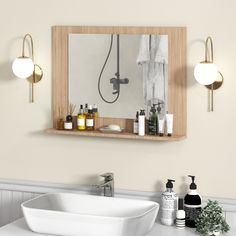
<point>168,204</point>
<point>141,123</point>
<point>135,124</point>
<point>192,204</point>
<point>169,123</point>
<point>161,120</point>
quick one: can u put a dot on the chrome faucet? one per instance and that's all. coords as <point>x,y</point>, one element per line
<point>107,185</point>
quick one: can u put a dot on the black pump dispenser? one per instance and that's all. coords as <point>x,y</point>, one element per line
<point>159,107</point>
<point>153,108</point>
<point>192,204</point>
<point>192,185</point>
<point>169,183</point>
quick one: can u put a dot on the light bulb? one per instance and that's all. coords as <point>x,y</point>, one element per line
<point>205,73</point>
<point>23,67</point>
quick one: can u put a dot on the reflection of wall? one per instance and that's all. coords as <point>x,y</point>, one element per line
<point>208,152</point>
<point>87,54</point>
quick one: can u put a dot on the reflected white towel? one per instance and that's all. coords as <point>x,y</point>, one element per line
<point>161,76</point>
<point>153,56</point>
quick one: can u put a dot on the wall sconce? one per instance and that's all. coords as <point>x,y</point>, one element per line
<point>206,73</point>
<point>24,67</point>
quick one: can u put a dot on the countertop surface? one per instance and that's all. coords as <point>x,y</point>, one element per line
<point>19,228</point>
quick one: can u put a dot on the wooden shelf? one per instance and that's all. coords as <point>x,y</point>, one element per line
<point>122,135</point>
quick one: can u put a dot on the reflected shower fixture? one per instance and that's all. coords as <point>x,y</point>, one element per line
<point>206,73</point>
<point>115,81</point>
<point>24,67</point>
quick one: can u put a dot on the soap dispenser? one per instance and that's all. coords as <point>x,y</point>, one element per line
<point>192,204</point>
<point>141,123</point>
<point>153,121</point>
<point>168,204</point>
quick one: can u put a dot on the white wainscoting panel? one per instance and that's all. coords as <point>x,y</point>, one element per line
<point>14,192</point>
<point>10,201</point>
<point>231,219</point>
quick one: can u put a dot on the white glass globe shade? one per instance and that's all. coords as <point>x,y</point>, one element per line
<point>23,67</point>
<point>205,73</point>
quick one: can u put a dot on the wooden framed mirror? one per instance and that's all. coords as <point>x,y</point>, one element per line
<point>176,77</point>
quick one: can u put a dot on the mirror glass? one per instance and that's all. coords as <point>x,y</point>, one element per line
<point>131,70</point>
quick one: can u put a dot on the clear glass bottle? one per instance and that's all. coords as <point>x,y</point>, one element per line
<point>81,119</point>
<point>90,119</point>
<point>169,202</point>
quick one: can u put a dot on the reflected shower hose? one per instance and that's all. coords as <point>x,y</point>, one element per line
<point>100,76</point>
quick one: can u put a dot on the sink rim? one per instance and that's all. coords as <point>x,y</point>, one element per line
<point>155,206</point>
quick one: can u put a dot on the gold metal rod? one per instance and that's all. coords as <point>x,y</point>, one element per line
<point>32,86</point>
<point>209,100</point>
<point>32,92</point>
<point>212,102</point>
<point>32,46</point>
<point>211,59</point>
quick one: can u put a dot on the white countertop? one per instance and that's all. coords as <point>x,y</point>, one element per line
<point>19,228</point>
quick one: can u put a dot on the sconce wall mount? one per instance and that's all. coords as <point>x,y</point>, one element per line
<point>25,68</point>
<point>207,74</point>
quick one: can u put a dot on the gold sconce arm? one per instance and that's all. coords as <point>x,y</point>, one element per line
<point>24,67</point>
<point>206,73</point>
<point>209,40</point>
<point>219,80</point>
<point>32,46</point>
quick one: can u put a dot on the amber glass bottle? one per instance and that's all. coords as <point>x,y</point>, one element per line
<point>90,119</point>
<point>95,111</point>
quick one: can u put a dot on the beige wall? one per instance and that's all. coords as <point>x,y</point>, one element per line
<point>208,152</point>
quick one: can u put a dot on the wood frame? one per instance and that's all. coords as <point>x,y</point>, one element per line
<point>176,69</point>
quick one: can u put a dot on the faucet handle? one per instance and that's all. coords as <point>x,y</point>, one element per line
<point>108,176</point>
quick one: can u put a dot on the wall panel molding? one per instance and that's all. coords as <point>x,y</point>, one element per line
<point>14,192</point>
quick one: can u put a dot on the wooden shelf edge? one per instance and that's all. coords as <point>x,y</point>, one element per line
<point>114,135</point>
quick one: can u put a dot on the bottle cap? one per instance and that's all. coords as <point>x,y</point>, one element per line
<point>192,185</point>
<point>142,112</point>
<point>95,108</point>
<point>81,106</point>
<point>159,107</point>
<point>69,118</point>
<point>169,183</point>
<point>153,108</point>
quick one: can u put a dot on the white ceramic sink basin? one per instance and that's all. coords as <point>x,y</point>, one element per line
<point>86,215</point>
